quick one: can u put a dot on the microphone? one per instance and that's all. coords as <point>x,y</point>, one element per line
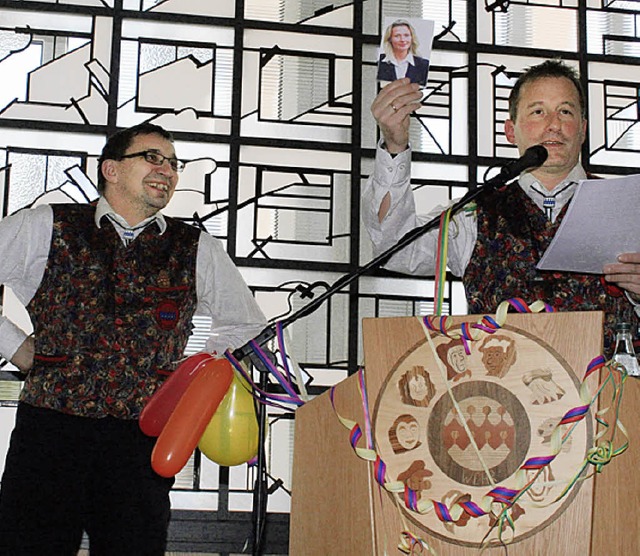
<point>532,158</point>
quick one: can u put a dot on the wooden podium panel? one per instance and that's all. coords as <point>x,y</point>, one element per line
<point>616,519</point>
<point>338,508</point>
<point>332,488</point>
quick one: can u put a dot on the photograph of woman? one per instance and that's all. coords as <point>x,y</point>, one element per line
<point>399,55</point>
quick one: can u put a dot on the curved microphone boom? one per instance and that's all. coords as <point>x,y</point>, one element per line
<point>532,158</point>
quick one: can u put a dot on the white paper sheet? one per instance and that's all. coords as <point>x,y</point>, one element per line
<point>602,221</point>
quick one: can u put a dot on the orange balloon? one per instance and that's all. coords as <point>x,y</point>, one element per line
<point>159,408</point>
<point>188,421</point>
<point>231,437</point>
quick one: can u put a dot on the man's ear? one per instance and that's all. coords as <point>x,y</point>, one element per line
<point>109,170</point>
<point>509,131</point>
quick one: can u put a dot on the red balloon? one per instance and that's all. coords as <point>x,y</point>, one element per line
<point>187,423</point>
<point>159,408</point>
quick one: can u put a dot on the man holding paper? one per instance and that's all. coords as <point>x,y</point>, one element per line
<point>495,248</point>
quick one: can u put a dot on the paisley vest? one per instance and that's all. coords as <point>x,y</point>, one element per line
<point>110,321</point>
<point>512,236</point>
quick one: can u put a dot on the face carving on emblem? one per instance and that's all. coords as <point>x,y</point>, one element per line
<point>498,354</point>
<point>404,434</point>
<point>454,357</point>
<point>416,387</point>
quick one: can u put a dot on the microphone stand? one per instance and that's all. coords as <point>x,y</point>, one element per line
<point>269,332</point>
<point>260,504</point>
<point>260,486</point>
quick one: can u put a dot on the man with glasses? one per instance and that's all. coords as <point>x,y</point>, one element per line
<point>111,290</point>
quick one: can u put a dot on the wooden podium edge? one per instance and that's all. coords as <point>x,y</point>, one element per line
<point>331,486</point>
<point>616,499</point>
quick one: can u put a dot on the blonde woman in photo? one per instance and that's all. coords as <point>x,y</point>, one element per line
<point>400,58</point>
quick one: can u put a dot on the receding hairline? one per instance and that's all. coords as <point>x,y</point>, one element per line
<point>515,107</point>
<point>555,68</point>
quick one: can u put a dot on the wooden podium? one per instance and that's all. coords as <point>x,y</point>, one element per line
<point>511,389</point>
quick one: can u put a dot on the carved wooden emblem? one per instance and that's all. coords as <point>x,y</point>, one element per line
<point>452,427</point>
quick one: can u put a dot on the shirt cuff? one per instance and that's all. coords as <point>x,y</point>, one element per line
<point>11,338</point>
<point>634,302</point>
<point>390,172</point>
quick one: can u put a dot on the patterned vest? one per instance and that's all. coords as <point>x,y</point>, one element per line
<point>512,236</point>
<point>110,321</point>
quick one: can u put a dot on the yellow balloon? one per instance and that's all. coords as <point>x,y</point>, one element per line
<point>231,437</point>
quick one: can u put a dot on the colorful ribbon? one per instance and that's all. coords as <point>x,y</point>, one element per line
<point>441,261</point>
<point>292,396</point>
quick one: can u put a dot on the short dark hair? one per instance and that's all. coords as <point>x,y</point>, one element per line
<point>118,143</point>
<point>549,68</point>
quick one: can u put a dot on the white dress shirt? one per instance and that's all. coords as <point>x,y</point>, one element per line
<point>222,294</point>
<point>400,66</point>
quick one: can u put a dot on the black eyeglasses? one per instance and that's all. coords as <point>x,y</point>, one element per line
<point>158,159</point>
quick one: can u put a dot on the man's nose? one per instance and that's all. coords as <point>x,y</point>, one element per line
<point>165,168</point>
<point>553,121</point>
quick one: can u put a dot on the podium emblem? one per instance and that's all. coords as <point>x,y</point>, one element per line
<point>453,426</point>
